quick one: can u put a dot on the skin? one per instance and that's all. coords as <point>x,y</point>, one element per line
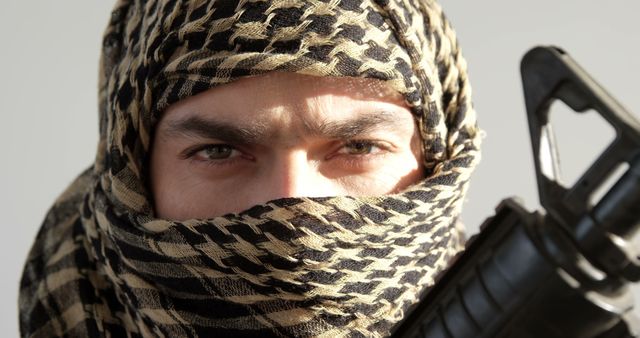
<point>281,135</point>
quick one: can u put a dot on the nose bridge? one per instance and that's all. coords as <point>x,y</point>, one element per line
<point>295,176</point>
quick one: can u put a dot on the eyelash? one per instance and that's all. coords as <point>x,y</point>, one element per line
<point>190,154</point>
<point>367,143</point>
<point>351,159</point>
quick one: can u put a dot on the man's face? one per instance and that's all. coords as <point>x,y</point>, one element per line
<point>281,135</point>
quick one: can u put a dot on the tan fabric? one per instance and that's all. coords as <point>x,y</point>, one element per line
<point>102,264</point>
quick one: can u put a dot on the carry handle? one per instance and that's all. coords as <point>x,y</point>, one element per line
<point>604,232</point>
<point>549,74</point>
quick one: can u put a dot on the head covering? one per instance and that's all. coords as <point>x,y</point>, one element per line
<point>103,264</point>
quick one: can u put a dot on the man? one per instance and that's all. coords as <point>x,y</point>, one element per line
<point>265,168</point>
<point>344,136</point>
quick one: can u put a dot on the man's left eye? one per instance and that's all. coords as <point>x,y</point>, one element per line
<point>361,147</point>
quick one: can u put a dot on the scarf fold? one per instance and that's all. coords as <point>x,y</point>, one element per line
<point>103,264</point>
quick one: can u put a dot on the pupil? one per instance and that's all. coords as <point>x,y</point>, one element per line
<point>360,148</point>
<point>218,152</point>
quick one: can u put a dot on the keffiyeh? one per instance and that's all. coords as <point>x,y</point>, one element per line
<point>104,265</point>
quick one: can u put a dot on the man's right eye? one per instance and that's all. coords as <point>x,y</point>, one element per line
<point>216,152</point>
<point>212,152</point>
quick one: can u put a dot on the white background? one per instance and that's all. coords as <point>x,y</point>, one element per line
<point>48,74</point>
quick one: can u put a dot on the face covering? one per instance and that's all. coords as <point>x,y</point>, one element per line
<point>103,264</point>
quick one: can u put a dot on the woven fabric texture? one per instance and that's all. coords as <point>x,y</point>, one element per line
<point>104,265</point>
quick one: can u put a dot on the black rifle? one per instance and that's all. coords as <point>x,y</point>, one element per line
<point>564,271</point>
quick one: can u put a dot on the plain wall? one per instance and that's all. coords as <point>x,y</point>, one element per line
<point>48,101</point>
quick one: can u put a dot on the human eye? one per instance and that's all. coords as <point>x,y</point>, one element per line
<point>362,147</point>
<point>360,154</point>
<point>213,154</point>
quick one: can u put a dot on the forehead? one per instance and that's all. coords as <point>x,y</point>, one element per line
<point>282,95</point>
<point>307,85</point>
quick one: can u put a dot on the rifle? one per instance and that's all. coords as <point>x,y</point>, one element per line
<point>566,270</point>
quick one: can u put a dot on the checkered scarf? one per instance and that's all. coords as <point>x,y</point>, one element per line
<point>104,265</point>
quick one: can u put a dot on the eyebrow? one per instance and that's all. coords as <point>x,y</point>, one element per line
<point>198,127</point>
<point>256,133</point>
